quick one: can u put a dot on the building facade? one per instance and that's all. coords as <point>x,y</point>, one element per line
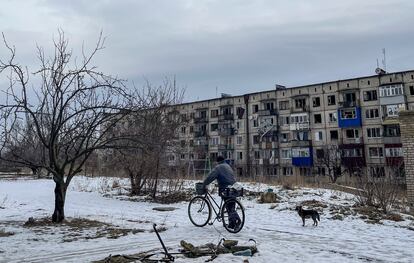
<point>286,131</point>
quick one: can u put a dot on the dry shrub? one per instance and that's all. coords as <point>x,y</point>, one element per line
<point>4,233</point>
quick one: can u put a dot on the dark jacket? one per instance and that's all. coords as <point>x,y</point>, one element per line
<point>223,173</point>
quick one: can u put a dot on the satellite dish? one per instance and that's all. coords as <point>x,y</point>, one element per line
<point>380,71</point>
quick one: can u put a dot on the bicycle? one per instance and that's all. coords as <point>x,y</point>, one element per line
<point>201,206</point>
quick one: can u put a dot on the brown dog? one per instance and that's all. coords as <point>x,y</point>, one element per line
<point>308,214</point>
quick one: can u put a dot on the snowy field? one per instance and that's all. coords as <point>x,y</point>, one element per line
<point>278,231</point>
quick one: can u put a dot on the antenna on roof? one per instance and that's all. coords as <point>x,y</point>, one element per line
<point>383,70</point>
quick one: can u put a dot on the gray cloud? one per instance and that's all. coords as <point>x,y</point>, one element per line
<point>238,46</point>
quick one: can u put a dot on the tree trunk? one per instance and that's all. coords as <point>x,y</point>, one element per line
<point>154,193</point>
<point>60,195</point>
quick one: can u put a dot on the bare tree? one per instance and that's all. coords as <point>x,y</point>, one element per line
<point>330,158</point>
<point>380,188</point>
<point>154,133</point>
<point>68,110</point>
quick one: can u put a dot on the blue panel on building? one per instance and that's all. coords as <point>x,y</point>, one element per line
<point>302,161</point>
<point>356,122</point>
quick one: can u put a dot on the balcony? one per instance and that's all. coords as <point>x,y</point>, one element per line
<point>270,145</point>
<point>198,134</point>
<point>270,112</point>
<point>392,140</point>
<point>349,117</point>
<point>203,119</point>
<point>201,148</point>
<point>353,154</point>
<point>226,117</point>
<point>300,109</point>
<point>394,161</point>
<point>352,141</point>
<point>226,132</point>
<point>349,103</point>
<point>299,126</point>
<point>226,147</point>
<point>298,143</point>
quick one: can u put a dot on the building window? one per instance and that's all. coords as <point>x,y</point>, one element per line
<point>355,152</point>
<point>255,108</point>
<point>392,110</point>
<point>348,114</point>
<point>214,127</point>
<point>191,129</point>
<point>318,118</point>
<point>372,113</point>
<point>284,120</point>
<point>332,117</point>
<point>374,132</point>
<point>392,130</point>
<point>299,119</point>
<point>300,103</point>
<point>239,140</point>
<point>269,106</point>
<point>318,136</point>
<point>203,114</point>
<point>191,143</point>
<point>214,113</point>
<point>300,152</point>
<point>370,95</point>
<point>284,105</point>
<point>215,141</point>
<point>183,129</point>
<point>411,90</point>
<point>350,97</point>
<point>331,100</point>
<point>287,171</point>
<point>182,143</point>
<point>334,135</point>
<point>286,154</point>
<point>316,102</point>
<point>239,155</point>
<point>257,155</point>
<point>284,137</point>
<point>352,133</point>
<point>301,136</point>
<point>182,156</point>
<point>255,124</point>
<point>183,117</point>
<point>393,152</point>
<point>391,90</point>
<point>376,151</point>
<point>256,139</point>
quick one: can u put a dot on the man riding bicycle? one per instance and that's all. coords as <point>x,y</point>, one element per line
<point>224,175</point>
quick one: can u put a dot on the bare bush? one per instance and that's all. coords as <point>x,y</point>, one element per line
<point>380,190</point>
<point>154,131</point>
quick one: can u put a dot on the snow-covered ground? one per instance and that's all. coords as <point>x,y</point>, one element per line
<point>278,232</point>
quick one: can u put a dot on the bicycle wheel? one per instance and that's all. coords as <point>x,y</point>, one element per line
<point>199,211</point>
<point>232,215</point>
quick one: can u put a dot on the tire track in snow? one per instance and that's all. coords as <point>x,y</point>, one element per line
<point>331,240</point>
<point>104,251</point>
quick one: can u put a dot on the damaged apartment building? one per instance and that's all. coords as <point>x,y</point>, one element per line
<point>285,131</point>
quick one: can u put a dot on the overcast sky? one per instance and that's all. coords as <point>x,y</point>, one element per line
<point>235,46</point>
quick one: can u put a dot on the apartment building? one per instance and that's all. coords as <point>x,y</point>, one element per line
<point>286,131</point>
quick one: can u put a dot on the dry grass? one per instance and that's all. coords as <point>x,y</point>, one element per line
<point>74,229</point>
